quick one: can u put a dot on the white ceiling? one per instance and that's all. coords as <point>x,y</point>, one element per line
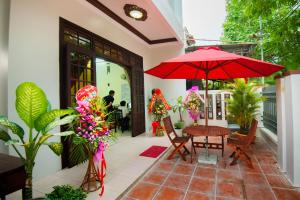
<point>155,27</point>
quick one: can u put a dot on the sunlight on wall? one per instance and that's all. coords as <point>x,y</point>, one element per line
<point>111,76</point>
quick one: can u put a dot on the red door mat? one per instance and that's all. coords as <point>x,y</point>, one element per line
<point>153,151</point>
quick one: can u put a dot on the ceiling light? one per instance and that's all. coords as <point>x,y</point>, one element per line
<point>135,12</point>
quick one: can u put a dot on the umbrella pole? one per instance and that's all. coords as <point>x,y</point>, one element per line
<point>206,158</point>
<point>206,112</point>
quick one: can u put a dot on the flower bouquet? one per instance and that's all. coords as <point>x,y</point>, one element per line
<point>92,132</point>
<point>158,108</point>
<point>192,104</point>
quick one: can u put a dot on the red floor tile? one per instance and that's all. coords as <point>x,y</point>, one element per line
<point>204,172</point>
<point>143,191</point>
<point>165,166</point>
<point>167,193</point>
<point>259,193</point>
<point>178,181</point>
<point>246,168</point>
<point>228,176</point>
<point>286,194</point>
<point>202,185</point>
<point>197,196</point>
<point>278,181</point>
<point>184,169</point>
<point>271,169</point>
<point>225,164</point>
<point>225,198</point>
<point>155,177</point>
<point>230,190</point>
<point>266,160</point>
<point>254,179</point>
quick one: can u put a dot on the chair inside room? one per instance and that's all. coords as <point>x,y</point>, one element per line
<point>177,141</point>
<point>241,143</point>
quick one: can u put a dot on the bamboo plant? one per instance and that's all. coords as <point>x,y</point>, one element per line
<point>244,105</point>
<point>34,109</point>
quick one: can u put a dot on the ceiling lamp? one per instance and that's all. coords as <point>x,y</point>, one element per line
<point>135,12</point>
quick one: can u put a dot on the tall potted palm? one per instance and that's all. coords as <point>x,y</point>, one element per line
<point>244,106</point>
<point>34,109</point>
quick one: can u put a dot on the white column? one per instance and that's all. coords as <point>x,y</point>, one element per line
<point>214,105</point>
<point>281,123</point>
<point>292,118</point>
<point>4,24</point>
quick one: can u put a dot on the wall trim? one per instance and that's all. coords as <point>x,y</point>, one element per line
<point>122,22</point>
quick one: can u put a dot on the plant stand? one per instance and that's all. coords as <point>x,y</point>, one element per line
<point>91,180</point>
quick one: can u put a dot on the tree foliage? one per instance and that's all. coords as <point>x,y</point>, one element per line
<point>281,28</point>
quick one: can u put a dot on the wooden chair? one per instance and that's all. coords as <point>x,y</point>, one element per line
<point>177,142</point>
<point>241,143</point>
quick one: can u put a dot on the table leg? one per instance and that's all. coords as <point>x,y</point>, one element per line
<point>222,145</point>
<point>192,146</point>
<point>206,147</point>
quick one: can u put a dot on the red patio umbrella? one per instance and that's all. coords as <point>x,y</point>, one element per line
<point>212,63</point>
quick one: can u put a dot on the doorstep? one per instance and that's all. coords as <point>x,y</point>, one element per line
<point>124,168</point>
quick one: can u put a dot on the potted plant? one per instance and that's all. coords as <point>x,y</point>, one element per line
<point>244,106</point>
<point>66,192</point>
<point>34,109</point>
<point>180,108</point>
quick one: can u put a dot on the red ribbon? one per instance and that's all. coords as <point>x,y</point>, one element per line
<point>102,173</point>
<point>155,125</point>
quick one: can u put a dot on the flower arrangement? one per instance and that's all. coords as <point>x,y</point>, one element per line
<point>92,132</point>
<point>192,103</point>
<point>91,126</point>
<point>158,108</point>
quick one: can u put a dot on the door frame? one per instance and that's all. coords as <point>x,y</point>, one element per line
<point>107,50</point>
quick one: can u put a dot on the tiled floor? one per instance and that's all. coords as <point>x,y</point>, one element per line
<point>124,167</point>
<point>177,179</point>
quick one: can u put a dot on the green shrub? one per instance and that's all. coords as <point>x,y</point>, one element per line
<point>66,192</point>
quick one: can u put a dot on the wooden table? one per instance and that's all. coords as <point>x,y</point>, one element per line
<point>12,175</point>
<point>207,131</point>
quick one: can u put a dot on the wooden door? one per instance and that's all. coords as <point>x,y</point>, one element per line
<point>77,71</point>
<point>138,100</point>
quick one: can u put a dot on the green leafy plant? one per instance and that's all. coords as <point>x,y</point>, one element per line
<point>179,106</point>
<point>243,107</point>
<point>66,192</point>
<point>33,108</point>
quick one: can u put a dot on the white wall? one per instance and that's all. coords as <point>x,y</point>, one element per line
<point>289,126</point>
<point>113,78</point>
<point>34,53</point>
<point>4,24</point>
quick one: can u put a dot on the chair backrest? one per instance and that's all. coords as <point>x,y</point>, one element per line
<point>252,131</point>
<point>169,128</point>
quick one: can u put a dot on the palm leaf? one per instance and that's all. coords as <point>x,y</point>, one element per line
<point>31,102</point>
<point>15,128</point>
<point>78,154</point>
<point>49,117</point>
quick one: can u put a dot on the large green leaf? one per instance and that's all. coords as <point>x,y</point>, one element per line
<point>60,122</point>
<point>65,133</point>
<point>14,142</point>
<point>15,128</point>
<point>31,102</point>
<point>43,138</point>
<point>56,147</point>
<point>4,135</point>
<point>49,117</point>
